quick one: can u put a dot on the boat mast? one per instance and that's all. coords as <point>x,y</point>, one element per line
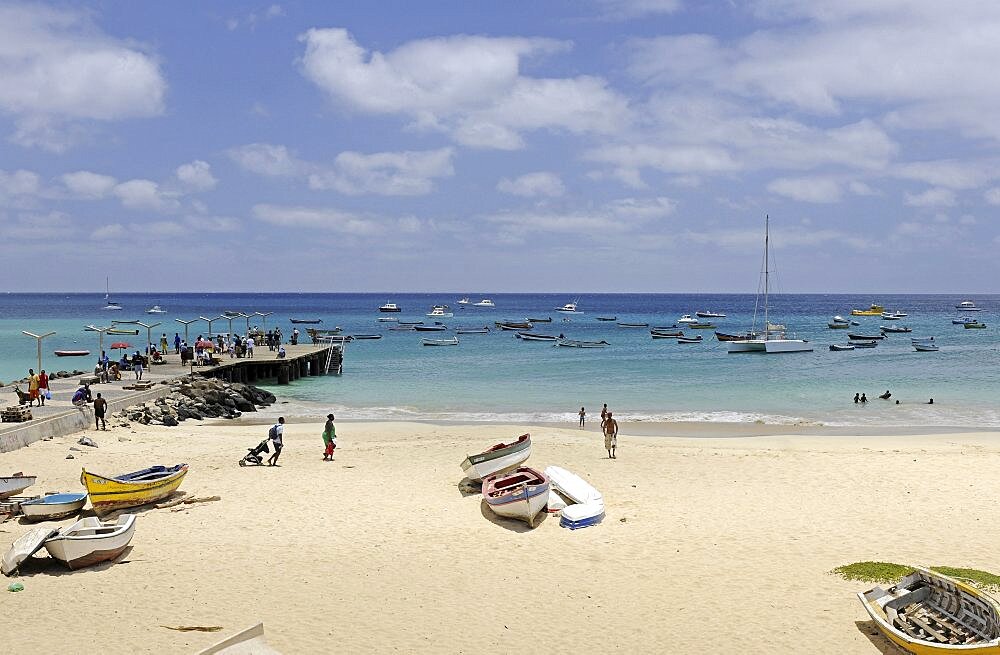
<point>767,273</point>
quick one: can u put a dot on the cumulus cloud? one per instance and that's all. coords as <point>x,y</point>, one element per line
<point>620,216</point>
<point>19,183</point>
<point>626,9</point>
<point>542,183</point>
<point>85,184</point>
<point>992,196</point>
<point>936,197</point>
<point>268,159</point>
<point>251,20</point>
<point>334,220</point>
<point>468,86</point>
<point>109,232</point>
<point>386,173</point>
<point>58,67</point>
<point>196,176</point>
<point>144,195</point>
<point>807,189</point>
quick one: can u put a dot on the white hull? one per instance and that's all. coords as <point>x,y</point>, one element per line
<point>524,510</point>
<point>572,486</point>
<point>12,485</point>
<point>770,346</point>
<point>441,315</point>
<point>50,511</point>
<point>477,472</point>
<point>88,541</point>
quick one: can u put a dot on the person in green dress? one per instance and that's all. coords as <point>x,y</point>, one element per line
<point>329,438</point>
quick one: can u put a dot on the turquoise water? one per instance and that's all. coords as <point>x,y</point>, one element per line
<point>498,377</point>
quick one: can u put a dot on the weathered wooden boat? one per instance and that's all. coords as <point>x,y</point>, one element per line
<point>89,541</point>
<point>248,642</point>
<point>607,318</point>
<point>527,336</point>
<point>538,320</point>
<point>871,343</point>
<point>633,325</point>
<point>53,506</point>
<point>975,325</point>
<point>498,458</point>
<point>15,484</point>
<point>513,325</point>
<point>365,336</point>
<point>865,337</point>
<point>927,613</point>
<point>891,329</point>
<point>874,310</point>
<point>305,321</point>
<point>430,328</point>
<point>440,342</point>
<point>838,346</point>
<point>925,347</point>
<point>519,494</point>
<point>701,326</point>
<point>683,339</point>
<point>71,353</point>
<point>574,343</point>
<point>482,330</point>
<point>132,489</point>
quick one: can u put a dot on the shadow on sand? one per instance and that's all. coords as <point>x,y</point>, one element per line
<point>514,525</point>
<point>51,566</point>
<point>870,630</point>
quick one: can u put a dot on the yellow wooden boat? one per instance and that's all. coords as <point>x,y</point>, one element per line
<point>874,310</point>
<point>132,489</point>
<point>927,613</point>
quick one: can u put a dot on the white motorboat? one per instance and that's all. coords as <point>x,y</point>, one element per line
<point>15,484</point>
<point>687,318</point>
<point>53,506</point>
<point>485,302</point>
<point>463,301</point>
<point>893,316</point>
<point>156,309</point>
<point>569,308</point>
<point>967,306</point>
<point>925,347</point>
<point>773,340</point>
<point>390,307</point>
<point>439,311</point>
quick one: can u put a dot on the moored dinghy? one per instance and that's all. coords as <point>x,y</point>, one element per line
<point>53,506</point>
<point>132,489</point>
<point>519,494</point>
<point>927,612</point>
<point>14,484</point>
<point>501,457</point>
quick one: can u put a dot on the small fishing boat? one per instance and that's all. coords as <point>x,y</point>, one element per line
<point>527,336</point>
<point>925,347</point>
<point>864,337</point>
<point>660,328</point>
<point>132,489</point>
<point>893,316</point>
<point>607,318</point>
<point>156,309</point>
<point>974,325</point>
<point>519,494</point>
<point>71,353</point>
<point>89,541</point>
<point>53,506</point>
<point>968,306</point>
<point>838,346</point>
<point>437,327</point>
<point>15,484</point>
<point>928,613</point>
<point>891,329</point>
<point>232,313</point>
<point>390,307</point>
<point>633,325</point>
<point>485,302</point>
<point>569,308</point>
<point>874,310</point>
<point>864,344</point>
<point>921,339</point>
<point>835,325</point>
<point>482,330</point>
<point>305,321</point>
<point>463,301</point>
<point>709,315</point>
<point>572,486</point>
<point>573,343</point>
<point>683,339</point>
<point>659,334</point>
<point>440,342</point>
<point>411,322</point>
<point>122,331</point>
<point>722,336</point>
<point>404,328</point>
<point>962,321</point>
<point>513,325</point>
<point>538,320</point>
<point>497,458</point>
<point>357,337</point>
<point>687,318</point>
<point>439,311</point>
<point>387,319</point>
<point>701,326</point>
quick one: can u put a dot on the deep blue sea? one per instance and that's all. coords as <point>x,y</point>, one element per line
<point>498,377</point>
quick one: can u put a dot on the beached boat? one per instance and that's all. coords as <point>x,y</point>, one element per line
<point>865,337</point>
<point>683,339</point>
<point>132,489</point>
<point>89,541</point>
<point>701,326</point>
<point>709,315</point>
<point>246,642</point>
<point>968,306</point>
<point>890,329</point>
<point>579,516</point>
<point>574,343</point>
<point>305,321</point>
<point>482,330</point>
<point>569,308</point>
<point>925,347</point>
<point>513,325</point>
<point>485,302</point>
<point>687,318</point>
<point>497,458</point>
<point>928,613</point>
<point>71,353</point>
<point>527,336</point>
<point>15,484</point>
<point>439,311</point>
<point>440,342</point>
<point>390,307</point>
<point>837,346</point>
<point>53,506</point>
<point>519,494</point>
<point>437,327</point>
<point>156,309</point>
<point>607,318</point>
<point>547,319</point>
<point>633,325</point>
<point>572,486</point>
<point>974,325</point>
<point>865,344</point>
<point>874,310</point>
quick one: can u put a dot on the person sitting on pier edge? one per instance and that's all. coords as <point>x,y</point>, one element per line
<point>281,352</point>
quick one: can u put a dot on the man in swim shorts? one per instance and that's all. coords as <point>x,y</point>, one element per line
<point>610,426</point>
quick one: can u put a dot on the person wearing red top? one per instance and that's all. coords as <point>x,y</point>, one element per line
<point>43,385</point>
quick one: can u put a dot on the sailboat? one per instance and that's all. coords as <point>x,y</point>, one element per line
<point>772,339</point>
<point>107,297</point>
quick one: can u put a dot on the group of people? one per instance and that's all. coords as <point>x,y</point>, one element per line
<point>609,427</point>
<point>38,387</point>
<point>276,434</point>
<point>860,398</point>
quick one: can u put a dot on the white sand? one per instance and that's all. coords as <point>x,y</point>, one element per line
<point>709,545</point>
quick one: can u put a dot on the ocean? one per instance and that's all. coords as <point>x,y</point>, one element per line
<point>496,377</point>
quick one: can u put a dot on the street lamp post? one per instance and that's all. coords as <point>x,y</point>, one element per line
<point>210,321</point>
<point>263,316</point>
<point>149,335</point>
<point>100,331</point>
<point>38,338</point>
<point>187,337</point>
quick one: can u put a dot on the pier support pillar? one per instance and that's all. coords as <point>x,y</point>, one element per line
<point>283,375</point>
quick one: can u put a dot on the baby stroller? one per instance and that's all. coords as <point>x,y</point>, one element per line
<point>254,455</point>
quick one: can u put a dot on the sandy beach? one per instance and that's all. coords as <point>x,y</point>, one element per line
<point>710,545</point>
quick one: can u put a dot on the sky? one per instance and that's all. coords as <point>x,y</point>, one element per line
<point>571,146</point>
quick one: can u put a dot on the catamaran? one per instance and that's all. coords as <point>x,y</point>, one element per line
<point>772,339</point>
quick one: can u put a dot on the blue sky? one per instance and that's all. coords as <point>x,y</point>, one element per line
<point>610,145</point>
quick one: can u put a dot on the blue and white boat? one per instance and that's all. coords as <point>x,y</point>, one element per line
<point>581,515</point>
<point>588,507</point>
<point>53,506</point>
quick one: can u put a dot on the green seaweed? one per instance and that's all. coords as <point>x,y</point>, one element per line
<point>890,572</point>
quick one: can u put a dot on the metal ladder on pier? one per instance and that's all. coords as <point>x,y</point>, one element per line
<point>329,356</point>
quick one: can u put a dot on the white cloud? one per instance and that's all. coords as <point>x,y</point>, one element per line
<point>468,86</point>
<point>86,184</point>
<point>386,173</point>
<point>992,196</point>
<point>251,20</point>
<point>19,183</point>
<point>949,173</point>
<point>626,9</point>
<point>196,176</point>
<point>267,159</point>
<point>324,218</point>
<point>57,66</point>
<point>936,197</point>
<point>542,183</point>
<point>807,189</point>
<point>110,232</point>
<point>144,195</point>
<point>616,217</point>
